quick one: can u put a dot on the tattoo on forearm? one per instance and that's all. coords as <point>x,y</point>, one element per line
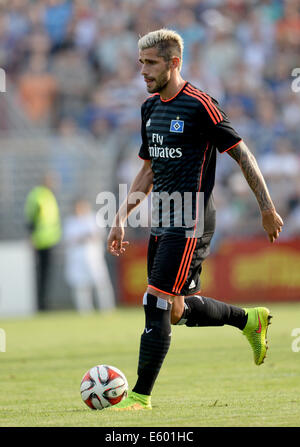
<point>253,175</point>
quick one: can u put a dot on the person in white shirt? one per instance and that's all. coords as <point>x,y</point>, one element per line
<point>86,270</point>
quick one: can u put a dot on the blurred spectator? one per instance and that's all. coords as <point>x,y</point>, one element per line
<point>282,162</point>
<point>281,168</point>
<point>38,42</point>
<point>85,266</point>
<point>100,112</point>
<point>74,79</point>
<point>43,222</point>
<point>269,125</point>
<point>202,75</point>
<point>79,59</point>
<point>37,90</point>
<point>293,214</point>
<point>256,34</point>
<point>109,48</point>
<point>57,20</point>
<point>191,31</point>
<point>84,26</point>
<point>288,27</point>
<point>225,52</point>
<point>291,116</point>
<point>17,23</point>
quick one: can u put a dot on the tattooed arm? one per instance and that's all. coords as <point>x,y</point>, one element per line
<point>271,221</point>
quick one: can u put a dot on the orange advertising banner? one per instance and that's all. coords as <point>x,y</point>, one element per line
<point>247,270</point>
<point>132,273</point>
<point>254,271</point>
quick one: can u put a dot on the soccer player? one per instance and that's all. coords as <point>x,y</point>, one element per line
<point>182,127</point>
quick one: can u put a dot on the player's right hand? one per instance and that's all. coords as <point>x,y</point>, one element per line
<point>115,243</point>
<point>272,224</point>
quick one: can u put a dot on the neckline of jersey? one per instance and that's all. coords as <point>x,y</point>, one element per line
<point>176,94</point>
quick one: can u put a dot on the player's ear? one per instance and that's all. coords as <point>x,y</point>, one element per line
<point>175,62</point>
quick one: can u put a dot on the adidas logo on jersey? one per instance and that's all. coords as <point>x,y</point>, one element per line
<point>148,123</point>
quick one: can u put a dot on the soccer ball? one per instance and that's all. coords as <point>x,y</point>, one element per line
<point>103,386</point>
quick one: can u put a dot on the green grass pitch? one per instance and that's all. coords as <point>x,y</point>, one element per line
<point>208,379</point>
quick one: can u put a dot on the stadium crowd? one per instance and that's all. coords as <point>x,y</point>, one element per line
<point>74,67</point>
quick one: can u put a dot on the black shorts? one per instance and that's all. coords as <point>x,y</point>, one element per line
<point>174,262</point>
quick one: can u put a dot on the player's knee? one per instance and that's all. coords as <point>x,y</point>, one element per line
<point>177,304</point>
<point>176,312</point>
<point>159,294</point>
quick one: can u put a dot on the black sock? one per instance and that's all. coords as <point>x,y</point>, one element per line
<point>155,342</point>
<point>202,311</point>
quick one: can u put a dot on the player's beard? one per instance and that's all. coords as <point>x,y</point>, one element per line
<point>159,83</point>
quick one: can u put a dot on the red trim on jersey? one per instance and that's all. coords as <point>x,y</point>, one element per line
<point>201,172</point>
<point>208,100</point>
<point>193,294</point>
<point>170,99</point>
<point>207,106</point>
<point>190,244</point>
<point>200,183</point>
<point>159,290</point>
<point>145,159</point>
<point>151,96</point>
<point>208,111</point>
<point>189,257</point>
<point>231,147</point>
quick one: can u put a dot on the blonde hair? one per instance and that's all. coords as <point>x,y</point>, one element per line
<point>168,42</point>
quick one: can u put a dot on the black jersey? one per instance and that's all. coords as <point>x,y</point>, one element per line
<point>180,137</point>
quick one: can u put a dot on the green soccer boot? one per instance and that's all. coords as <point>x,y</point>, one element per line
<point>133,402</point>
<point>256,331</point>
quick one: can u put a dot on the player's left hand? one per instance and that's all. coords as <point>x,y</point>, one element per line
<point>272,224</point>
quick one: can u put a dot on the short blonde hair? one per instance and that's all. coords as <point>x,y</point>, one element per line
<point>168,42</point>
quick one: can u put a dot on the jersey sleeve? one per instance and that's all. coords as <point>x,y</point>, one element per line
<point>144,149</point>
<point>218,127</point>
